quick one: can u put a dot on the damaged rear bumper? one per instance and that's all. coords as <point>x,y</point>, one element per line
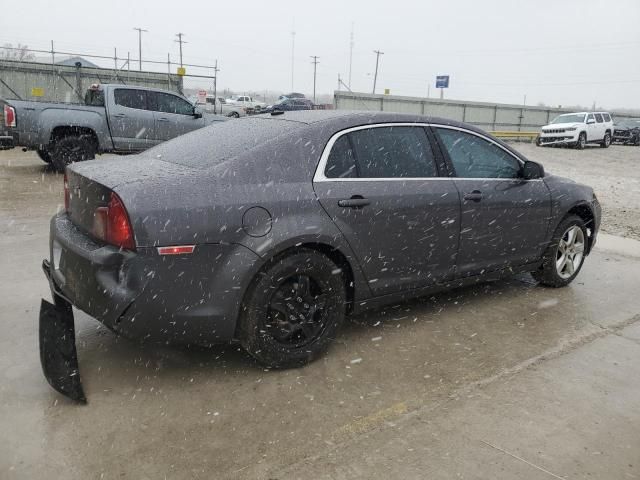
<point>58,355</point>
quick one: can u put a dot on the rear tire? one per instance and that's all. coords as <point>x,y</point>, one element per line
<point>582,141</point>
<point>565,254</point>
<point>234,115</point>
<point>293,309</point>
<point>44,155</point>
<point>71,149</point>
<point>606,141</point>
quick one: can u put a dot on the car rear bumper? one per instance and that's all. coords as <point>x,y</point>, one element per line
<point>192,299</point>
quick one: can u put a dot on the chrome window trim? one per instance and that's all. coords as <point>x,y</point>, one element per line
<point>319,175</point>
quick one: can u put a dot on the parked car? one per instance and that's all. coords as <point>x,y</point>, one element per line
<point>224,108</point>
<point>246,101</point>
<point>271,229</point>
<point>114,118</point>
<point>577,130</point>
<point>627,131</point>
<point>289,104</point>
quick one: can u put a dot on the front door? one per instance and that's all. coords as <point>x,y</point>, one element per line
<point>173,116</point>
<point>380,185</point>
<point>592,129</point>
<point>504,218</point>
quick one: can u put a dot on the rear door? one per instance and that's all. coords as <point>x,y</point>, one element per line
<point>173,115</point>
<point>381,186</point>
<point>131,122</point>
<point>504,218</point>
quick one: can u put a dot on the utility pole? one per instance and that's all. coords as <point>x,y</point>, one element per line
<point>140,30</point>
<point>350,54</point>
<point>375,76</point>
<point>180,41</point>
<point>215,87</point>
<point>293,48</point>
<point>315,66</point>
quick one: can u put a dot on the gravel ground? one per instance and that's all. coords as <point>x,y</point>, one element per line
<point>614,174</point>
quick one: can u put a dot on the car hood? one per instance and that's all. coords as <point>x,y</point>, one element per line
<point>556,126</point>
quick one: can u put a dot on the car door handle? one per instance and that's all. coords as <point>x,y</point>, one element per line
<point>356,201</point>
<point>163,119</point>
<point>119,115</point>
<point>474,196</point>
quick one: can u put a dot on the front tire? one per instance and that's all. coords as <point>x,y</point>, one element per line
<point>565,254</point>
<point>293,309</point>
<point>606,141</point>
<point>71,149</point>
<point>582,141</point>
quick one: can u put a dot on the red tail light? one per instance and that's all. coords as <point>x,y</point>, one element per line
<point>9,116</point>
<point>111,224</point>
<point>66,194</point>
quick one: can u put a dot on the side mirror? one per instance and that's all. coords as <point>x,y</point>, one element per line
<point>590,121</point>
<point>197,112</point>
<point>532,170</point>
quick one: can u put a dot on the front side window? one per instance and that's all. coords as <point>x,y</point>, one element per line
<point>131,98</point>
<point>393,152</point>
<point>167,103</point>
<point>475,157</point>
<point>598,118</point>
<point>590,117</point>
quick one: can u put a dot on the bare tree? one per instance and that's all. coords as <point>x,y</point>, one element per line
<point>19,52</point>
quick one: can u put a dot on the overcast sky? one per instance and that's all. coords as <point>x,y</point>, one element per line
<point>560,52</point>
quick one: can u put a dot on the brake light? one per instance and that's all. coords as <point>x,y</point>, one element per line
<point>67,198</point>
<point>111,224</point>
<point>9,116</point>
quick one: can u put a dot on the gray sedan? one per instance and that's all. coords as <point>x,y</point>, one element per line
<point>271,230</point>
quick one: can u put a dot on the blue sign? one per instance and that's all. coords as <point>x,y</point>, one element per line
<point>442,81</point>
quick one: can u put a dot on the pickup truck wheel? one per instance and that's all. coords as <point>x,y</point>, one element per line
<point>606,141</point>
<point>74,148</point>
<point>44,155</point>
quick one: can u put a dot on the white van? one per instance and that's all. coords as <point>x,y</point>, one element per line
<point>578,129</point>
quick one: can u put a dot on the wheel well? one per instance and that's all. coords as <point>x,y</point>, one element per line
<point>585,213</point>
<point>61,132</point>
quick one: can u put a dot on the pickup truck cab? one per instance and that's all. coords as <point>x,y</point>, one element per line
<point>578,129</point>
<point>114,118</point>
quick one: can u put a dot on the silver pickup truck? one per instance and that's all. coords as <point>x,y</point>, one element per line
<point>114,118</point>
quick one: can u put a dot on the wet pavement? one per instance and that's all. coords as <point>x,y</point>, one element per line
<point>501,380</point>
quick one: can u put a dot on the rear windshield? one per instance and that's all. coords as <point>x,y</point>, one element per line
<point>221,141</point>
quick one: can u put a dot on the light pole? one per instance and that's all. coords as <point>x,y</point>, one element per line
<point>180,41</point>
<point>375,76</point>
<point>140,30</point>
<point>315,66</point>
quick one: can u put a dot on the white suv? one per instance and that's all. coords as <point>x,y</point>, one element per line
<point>578,129</point>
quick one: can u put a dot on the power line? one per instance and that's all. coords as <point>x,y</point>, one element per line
<point>180,41</point>
<point>140,30</point>
<point>375,77</point>
<point>315,66</point>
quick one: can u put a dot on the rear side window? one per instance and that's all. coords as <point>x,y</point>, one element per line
<point>131,98</point>
<point>598,118</point>
<point>607,117</point>
<point>393,152</point>
<point>475,157</point>
<point>341,162</point>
